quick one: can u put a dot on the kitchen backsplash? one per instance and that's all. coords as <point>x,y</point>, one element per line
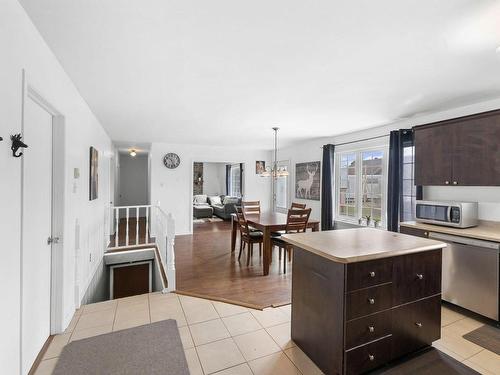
<point>487,197</point>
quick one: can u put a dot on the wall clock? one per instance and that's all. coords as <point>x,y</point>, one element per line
<point>171,160</point>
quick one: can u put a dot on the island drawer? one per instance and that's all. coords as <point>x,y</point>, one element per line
<point>365,274</point>
<point>416,325</point>
<point>368,301</point>
<point>368,357</point>
<point>363,330</point>
<point>416,276</point>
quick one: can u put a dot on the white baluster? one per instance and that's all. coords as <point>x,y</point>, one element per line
<point>146,239</point>
<point>126,236</point>
<point>170,258</point>
<point>117,218</point>
<point>137,225</point>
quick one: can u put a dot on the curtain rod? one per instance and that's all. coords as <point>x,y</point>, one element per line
<point>360,140</point>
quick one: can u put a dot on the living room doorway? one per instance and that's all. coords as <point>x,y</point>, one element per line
<point>217,189</point>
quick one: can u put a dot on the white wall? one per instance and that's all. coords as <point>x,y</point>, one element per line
<point>214,178</point>
<point>22,47</point>
<point>173,188</point>
<point>488,197</point>
<point>134,179</point>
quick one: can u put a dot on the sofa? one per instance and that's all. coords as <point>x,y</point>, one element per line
<point>224,206</point>
<point>221,206</point>
<point>201,208</point>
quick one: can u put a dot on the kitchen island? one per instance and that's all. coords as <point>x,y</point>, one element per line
<point>364,297</point>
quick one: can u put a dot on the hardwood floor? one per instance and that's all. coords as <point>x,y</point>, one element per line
<point>205,267</point>
<point>132,231</point>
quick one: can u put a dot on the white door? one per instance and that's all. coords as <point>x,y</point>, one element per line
<point>37,228</point>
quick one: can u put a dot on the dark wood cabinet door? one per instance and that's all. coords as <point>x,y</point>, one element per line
<point>416,276</point>
<point>416,325</point>
<point>477,151</point>
<point>433,155</point>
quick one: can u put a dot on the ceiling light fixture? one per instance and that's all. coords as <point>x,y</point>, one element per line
<point>133,153</point>
<point>275,171</point>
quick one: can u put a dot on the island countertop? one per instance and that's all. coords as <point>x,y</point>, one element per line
<point>360,244</point>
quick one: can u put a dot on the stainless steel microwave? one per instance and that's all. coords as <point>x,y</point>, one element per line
<point>449,213</point>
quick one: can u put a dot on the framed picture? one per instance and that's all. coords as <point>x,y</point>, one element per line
<point>94,174</point>
<point>260,167</point>
<point>307,180</point>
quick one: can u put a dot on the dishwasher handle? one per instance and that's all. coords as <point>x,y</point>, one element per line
<point>464,240</point>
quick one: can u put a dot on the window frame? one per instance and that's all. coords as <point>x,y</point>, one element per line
<point>358,151</point>
<point>231,184</point>
<point>283,163</point>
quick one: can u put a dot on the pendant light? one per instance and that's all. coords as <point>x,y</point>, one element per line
<point>275,171</point>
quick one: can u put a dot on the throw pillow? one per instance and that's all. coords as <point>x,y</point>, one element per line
<point>201,198</point>
<point>214,199</point>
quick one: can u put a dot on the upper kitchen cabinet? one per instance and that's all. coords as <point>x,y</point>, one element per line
<point>433,155</point>
<point>463,151</point>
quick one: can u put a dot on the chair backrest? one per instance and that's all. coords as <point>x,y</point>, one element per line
<point>251,207</point>
<point>242,222</point>
<point>297,219</point>
<point>298,206</point>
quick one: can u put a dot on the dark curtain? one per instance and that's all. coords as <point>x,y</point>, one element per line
<point>327,187</point>
<point>241,179</point>
<point>399,139</point>
<point>228,177</point>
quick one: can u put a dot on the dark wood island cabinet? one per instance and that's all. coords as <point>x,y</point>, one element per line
<point>364,297</point>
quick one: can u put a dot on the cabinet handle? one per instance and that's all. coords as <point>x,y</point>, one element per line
<point>371,357</point>
<point>455,183</point>
<point>418,324</point>
<point>426,234</point>
<point>420,276</point>
<point>371,301</point>
<point>372,274</point>
<point>371,328</point>
<point>447,182</point>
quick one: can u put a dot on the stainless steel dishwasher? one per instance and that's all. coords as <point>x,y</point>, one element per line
<point>471,273</point>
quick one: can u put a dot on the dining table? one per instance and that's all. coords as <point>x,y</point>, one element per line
<point>267,223</point>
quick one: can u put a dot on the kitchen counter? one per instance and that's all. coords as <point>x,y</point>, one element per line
<point>486,230</point>
<point>360,244</point>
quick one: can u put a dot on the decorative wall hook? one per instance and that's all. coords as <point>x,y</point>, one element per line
<point>17,144</point>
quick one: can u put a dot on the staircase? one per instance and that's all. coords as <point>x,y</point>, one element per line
<point>144,227</point>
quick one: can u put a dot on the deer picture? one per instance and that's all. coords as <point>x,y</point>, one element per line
<point>304,186</point>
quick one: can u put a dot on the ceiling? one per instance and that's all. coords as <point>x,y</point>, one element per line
<point>223,72</point>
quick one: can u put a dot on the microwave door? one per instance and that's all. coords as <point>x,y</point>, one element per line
<point>448,216</point>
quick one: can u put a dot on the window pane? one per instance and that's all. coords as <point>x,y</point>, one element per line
<point>281,198</point>
<point>409,188</point>
<point>371,183</point>
<point>347,185</point>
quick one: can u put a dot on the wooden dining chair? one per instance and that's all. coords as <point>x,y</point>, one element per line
<point>251,207</point>
<point>296,222</point>
<point>247,236</point>
<point>298,206</point>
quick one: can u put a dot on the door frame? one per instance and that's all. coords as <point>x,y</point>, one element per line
<point>58,198</point>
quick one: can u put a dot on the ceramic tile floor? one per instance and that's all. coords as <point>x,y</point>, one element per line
<point>224,339</point>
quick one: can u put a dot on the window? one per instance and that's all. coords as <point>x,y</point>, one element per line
<point>282,190</point>
<point>360,187</point>
<point>409,190</point>
<point>235,180</point>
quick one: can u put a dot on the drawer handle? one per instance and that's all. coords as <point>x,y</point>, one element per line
<point>371,301</point>
<point>371,357</point>
<point>418,324</point>
<point>372,274</point>
<point>420,276</point>
<point>371,328</point>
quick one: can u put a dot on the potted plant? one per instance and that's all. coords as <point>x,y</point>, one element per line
<point>377,223</point>
<point>368,221</point>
